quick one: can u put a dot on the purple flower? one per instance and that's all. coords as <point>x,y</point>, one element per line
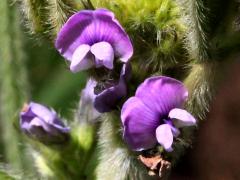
<point>41,123</point>
<point>93,38</point>
<point>154,114</point>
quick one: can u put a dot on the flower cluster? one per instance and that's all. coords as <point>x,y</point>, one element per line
<point>95,39</point>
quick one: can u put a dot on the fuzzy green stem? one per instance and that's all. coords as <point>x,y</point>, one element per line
<point>67,160</point>
<point>35,14</point>
<point>13,84</point>
<point>195,18</point>
<point>116,161</point>
<point>202,83</point>
<point>59,12</point>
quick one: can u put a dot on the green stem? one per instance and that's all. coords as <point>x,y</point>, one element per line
<point>59,12</point>
<point>197,35</point>
<point>35,14</point>
<point>115,159</point>
<point>13,84</point>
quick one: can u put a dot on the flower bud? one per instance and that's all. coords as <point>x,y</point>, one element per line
<point>43,124</point>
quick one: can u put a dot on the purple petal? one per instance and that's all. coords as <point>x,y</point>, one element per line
<point>104,54</point>
<point>140,123</point>
<point>81,59</point>
<point>182,118</point>
<point>90,27</point>
<point>41,123</point>
<point>175,130</point>
<point>126,72</point>
<point>87,110</point>
<point>165,136</point>
<point>107,99</point>
<point>42,111</point>
<point>162,94</point>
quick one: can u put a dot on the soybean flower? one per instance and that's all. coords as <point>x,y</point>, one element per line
<point>43,124</point>
<point>93,38</point>
<point>154,115</point>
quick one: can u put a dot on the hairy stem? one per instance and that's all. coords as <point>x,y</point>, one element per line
<point>116,161</point>
<point>13,84</point>
<point>59,12</point>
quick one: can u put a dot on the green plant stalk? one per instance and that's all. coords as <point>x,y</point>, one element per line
<point>13,82</point>
<point>35,14</point>
<point>115,160</point>
<point>195,17</point>
<point>59,11</point>
<point>66,160</point>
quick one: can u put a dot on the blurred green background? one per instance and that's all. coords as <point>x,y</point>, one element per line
<point>30,70</point>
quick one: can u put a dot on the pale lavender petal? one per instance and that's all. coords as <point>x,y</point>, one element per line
<point>162,94</point>
<point>43,112</point>
<point>103,53</point>
<point>165,136</point>
<point>182,118</point>
<point>140,123</point>
<point>175,130</point>
<point>90,27</point>
<point>81,59</point>
<point>86,105</point>
<point>126,72</point>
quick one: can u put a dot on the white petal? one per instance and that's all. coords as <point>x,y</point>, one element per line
<point>104,54</point>
<point>182,118</point>
<point>80,59</point>
<point>165,136</point>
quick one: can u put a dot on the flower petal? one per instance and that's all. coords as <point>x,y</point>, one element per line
<point>70,36</point>
<point>107,99</point>
<point>43,112</point>
<point>114,91</point>
<point>81,59</point>
<point>103,53</point>
<point>39,123</point>
<point>162,94</point>
<point>182,118</point>
<point>139,124</point>
<point>165,136</point>
<point>89,27</point>
<point>86,107</point>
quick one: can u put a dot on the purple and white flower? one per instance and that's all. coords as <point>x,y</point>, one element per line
<point>43,124</point>
<point>93,38</point>
<point>154,115</point>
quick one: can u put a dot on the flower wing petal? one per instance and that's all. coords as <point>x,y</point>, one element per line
<point>162,94</point>
<point>165,136</point>
<point>139,124</point>
<point>42,112</point>
<point>107,99</point>
<point>81,60</point>
<point>182,118</point>
<point>70,36</point>
<point>103,53</point>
